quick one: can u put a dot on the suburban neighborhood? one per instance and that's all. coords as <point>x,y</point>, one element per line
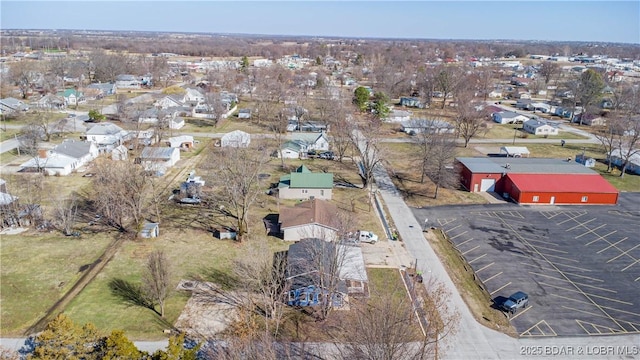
<point>190,196</point>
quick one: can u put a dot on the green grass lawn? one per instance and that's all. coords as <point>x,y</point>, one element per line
<point>37,269</point>
<point>192,254</point>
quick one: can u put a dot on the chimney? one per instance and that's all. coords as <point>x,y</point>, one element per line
<point>42,153</point>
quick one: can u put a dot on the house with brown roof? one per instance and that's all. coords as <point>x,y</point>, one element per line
<point>310,219</point>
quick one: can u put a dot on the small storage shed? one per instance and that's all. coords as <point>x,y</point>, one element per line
<point>150,230</point>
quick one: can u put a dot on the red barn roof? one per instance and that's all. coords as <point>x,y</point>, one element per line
<point>577,183</point>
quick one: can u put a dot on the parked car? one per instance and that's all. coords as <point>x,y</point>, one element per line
<point>516,301</point>
<point>327,155</point>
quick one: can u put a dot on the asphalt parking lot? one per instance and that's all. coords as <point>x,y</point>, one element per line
<point>580,265</point>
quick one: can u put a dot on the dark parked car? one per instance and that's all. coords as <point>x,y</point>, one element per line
<point>516,301</point>
<point>327,155</point>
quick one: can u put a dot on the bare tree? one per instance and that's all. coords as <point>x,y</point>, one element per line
<point>24,75</point>
<point>156,278</point>
<point>65,212</point>
<point>628,143</point>
<point>366,138</point>
<point>470,117</point>
<point>446,81</point>
<point>238,183</point>
<point>340,122</point>
<point>122,191</point>
<point>608,136</point>
<point>262,272</point>
<point>549,70</point>
<point>388,327</point>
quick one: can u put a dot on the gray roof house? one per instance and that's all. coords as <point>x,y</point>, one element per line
<point>12,105</point>
<point>158,159</point>
<point>63,159</point>
<point>417,126</point>
<point>106,136</point>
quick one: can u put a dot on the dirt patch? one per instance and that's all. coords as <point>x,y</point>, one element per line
<point>207,313</point>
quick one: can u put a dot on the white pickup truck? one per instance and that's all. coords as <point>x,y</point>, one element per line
<point>363,236</point>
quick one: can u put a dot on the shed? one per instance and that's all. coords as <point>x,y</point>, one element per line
<point>150,230</point>
<point>236,138</point>
<point>225,233</point>
<point>515,151</point>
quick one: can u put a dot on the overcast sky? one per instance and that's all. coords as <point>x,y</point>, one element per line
<point>610,21</point>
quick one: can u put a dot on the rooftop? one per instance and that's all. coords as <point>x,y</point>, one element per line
<point>523,165</point>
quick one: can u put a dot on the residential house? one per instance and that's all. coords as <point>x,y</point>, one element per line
<point>304,184</point>
<point>309,219</point>
<point>417,126</point>
<point>311,261</point>
<point>72,97</point>
<point>293,149</point>
<point>170,101</point>
<point>312,141</point>
<point>236,138</point>
<point>524,104</point>
<point>495,94</point>
<point>154,115</point>
<point>411,102</point>
<point>128,82</point>
<point>63,159</point>
<point>50,102</point>
<point>12,105</point>
<point>590,119</point>
<point>509,117</point>
<point>106,136</point>
<point>616,157</point>
<point>398,116</point>
<point>158,159</point>
<point>105,89</point>
<point>312,126</point>
<point>142,138</point>
<point>193,97</point>
<point>539,127</point>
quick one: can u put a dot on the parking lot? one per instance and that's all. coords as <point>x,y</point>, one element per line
<point>580,265</point>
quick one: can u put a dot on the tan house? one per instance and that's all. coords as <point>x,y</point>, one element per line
<point>310,219</point>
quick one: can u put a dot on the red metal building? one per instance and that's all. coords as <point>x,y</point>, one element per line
<point>560,189</point>
<point>536,180</point>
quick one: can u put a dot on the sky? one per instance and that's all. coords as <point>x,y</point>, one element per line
<point>593,21</point>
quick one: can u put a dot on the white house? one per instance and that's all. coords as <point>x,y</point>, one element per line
<point>193,96</point>
<point>159,159</point>
<point>244,114</point>
<point>539,127</point>
<point>417,126</point>
<point>508,117</point>
<point>236,138</point>
<point>63,159</point>
<point>293,149</point>
<point>127,81</point>
<point>169,101</point>
<point>312,141</point>
<point>12,105</point>
<point>106,136</point>
<point>51,102</point>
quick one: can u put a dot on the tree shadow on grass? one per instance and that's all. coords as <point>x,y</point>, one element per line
<point>131,294</point>
<point>218,277</point>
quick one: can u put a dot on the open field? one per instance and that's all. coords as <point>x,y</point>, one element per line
<point>37,268</point>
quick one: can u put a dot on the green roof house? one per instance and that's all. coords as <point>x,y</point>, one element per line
<point>303,184</point>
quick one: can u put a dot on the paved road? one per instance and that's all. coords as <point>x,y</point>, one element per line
<point>474,341</point>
